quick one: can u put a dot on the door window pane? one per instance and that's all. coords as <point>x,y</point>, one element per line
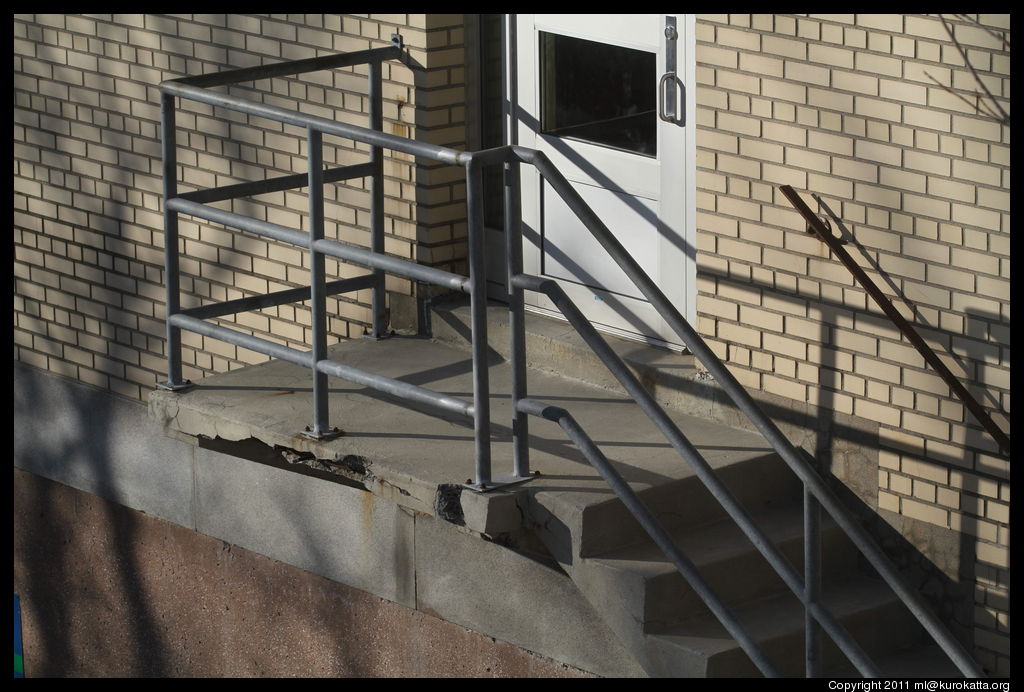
<point>598,93</point>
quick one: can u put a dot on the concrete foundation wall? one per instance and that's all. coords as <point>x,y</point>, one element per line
<point>137,554</point>
<point>159,599</point>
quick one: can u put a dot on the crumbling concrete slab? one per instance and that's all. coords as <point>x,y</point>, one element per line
<point>417,458</point>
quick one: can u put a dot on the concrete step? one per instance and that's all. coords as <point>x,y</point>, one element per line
<point>926,660</point>
<point>701,647</point>
<point>641,594</point>
<point>660,597</point>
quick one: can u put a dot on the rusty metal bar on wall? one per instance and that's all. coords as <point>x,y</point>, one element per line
<point>818,227</point>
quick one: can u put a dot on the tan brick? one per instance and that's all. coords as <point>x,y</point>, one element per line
<point>717,307</point>
<point>924,512</point>
<point>977,127</point>
<point>785,175</point>
<point>877,196</point>
<point>804,72</point>
<point>953,278</point>
<point>886,22</point>
<point>935,165</point>
<point>901,179</point>
<point>760,318</point>
<point>713,55</point>
<point>996,199</point>
<point>925,425</point>
<point>784,345</point>
<point>947,498</point>
<point>871,410</point>
<point>834,144</point>
<point>854,341</point>
<point>789,48</point>
<point>924,491</point>
<point>739,123</point>
<point>926,118</point>
<point>739,166</point>
<point>784,387</point>
<point>741,208</point>
<point>993,555</point>
<point>975,216</point>
<point>888,501</point>
<point>735,333</point>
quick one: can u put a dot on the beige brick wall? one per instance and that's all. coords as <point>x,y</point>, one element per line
<point>843,105</point>
<point>88,262</point>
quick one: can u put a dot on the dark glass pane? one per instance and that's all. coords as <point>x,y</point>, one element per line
<point>598,93</point>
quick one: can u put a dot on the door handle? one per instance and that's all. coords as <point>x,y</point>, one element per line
<point>667,84</point>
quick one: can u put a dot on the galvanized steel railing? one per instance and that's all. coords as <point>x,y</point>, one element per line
<point>510,158</point>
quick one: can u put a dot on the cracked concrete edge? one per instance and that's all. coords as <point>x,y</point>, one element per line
<point>487,513</point>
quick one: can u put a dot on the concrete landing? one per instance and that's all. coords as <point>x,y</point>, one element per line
<point>419,458</point>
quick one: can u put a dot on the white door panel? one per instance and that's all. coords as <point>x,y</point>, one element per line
<point>587,90</point>
<point>571,252</point>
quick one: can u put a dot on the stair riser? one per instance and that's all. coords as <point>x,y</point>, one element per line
<point>755,484</point>
<point>670,599</point>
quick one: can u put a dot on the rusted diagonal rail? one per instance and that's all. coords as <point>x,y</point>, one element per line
<point>815,224</point>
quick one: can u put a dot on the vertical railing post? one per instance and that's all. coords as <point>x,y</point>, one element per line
<point>478,324</point>
<point>812,582</point>
<point>170,172</point>
<point>320,428</point>
<point>377,198</point>
<point>516,318</point>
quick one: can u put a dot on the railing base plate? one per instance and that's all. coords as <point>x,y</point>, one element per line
<point>171,387</point>
<point>322,436</point>
<point>497,482</point>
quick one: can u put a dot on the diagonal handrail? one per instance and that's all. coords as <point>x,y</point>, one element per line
<point>816,225</point>
<point>655,530</point>
<point>703,470</point>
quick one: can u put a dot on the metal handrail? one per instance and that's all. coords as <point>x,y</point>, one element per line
<point>195,204</point>
<point>813,483</point>
<point>816,225</point>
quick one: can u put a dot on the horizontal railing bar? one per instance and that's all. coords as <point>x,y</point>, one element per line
<point>267,300</point>
<point>330,127</point>
<point>246,223</point>
<point>693,457</point>
<point>393,265</point>
<point>353,253</point>
<point>285,182</point>
<point>651,525</point>
<point>292,67</point>
<point>926,351</point>
<point>334,248</point>
<point>397,388</point>
<point>388,385</point>
<point>745,403</point>
<point>231,336</point>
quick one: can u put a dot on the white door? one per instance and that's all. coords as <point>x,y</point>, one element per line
<point>593,95</point>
